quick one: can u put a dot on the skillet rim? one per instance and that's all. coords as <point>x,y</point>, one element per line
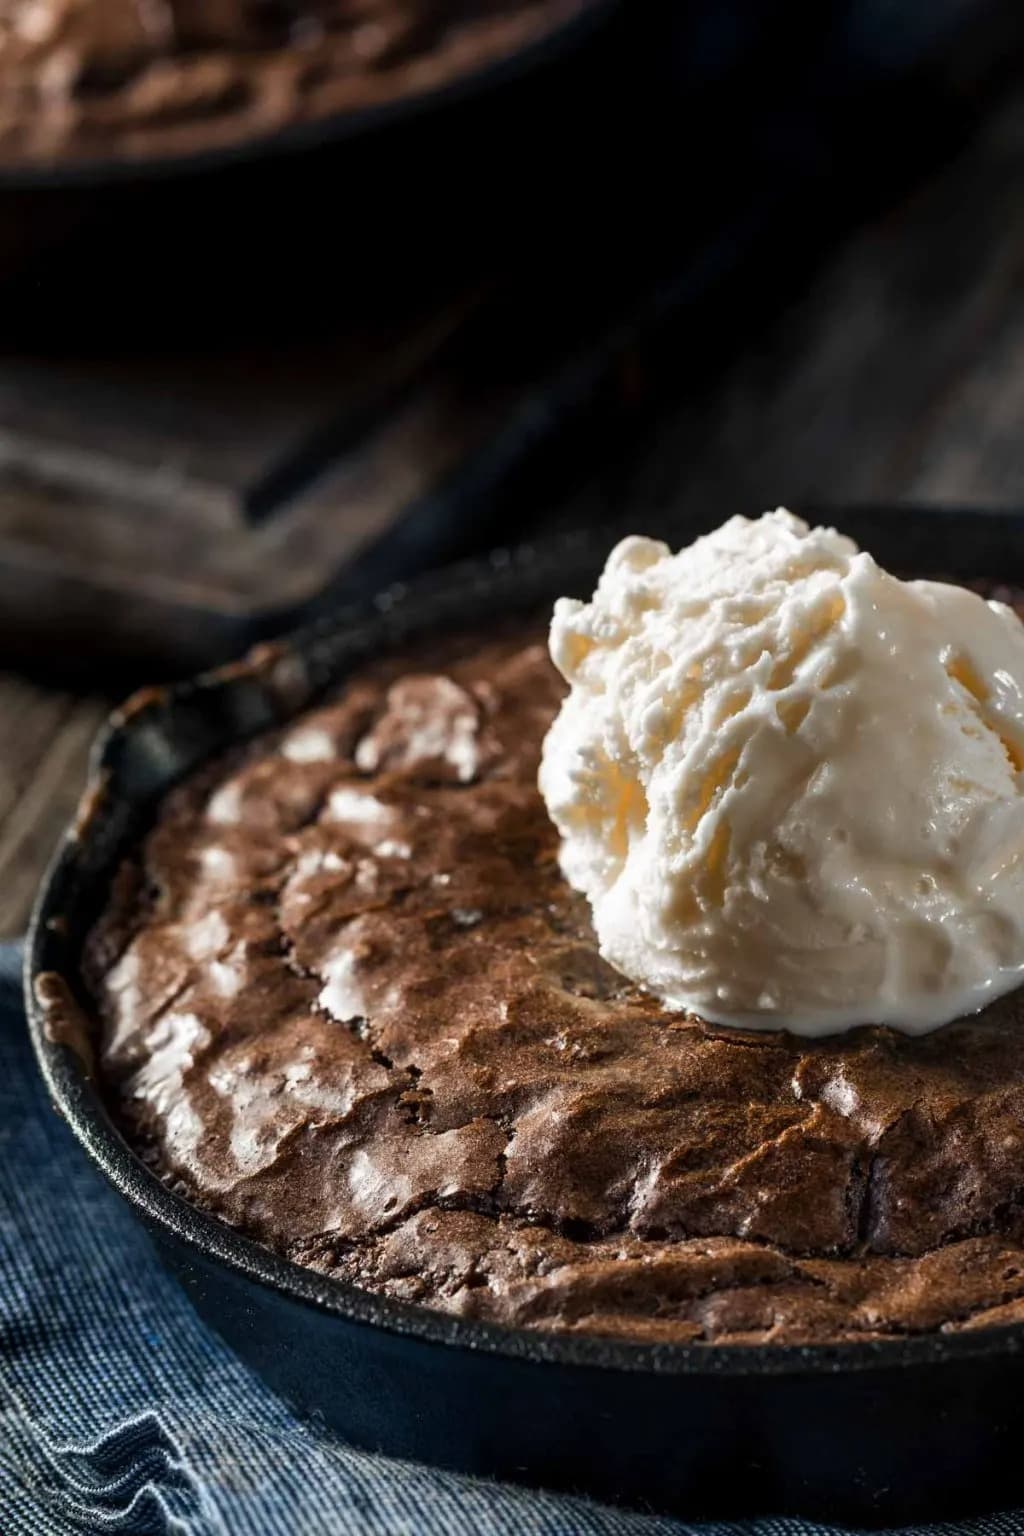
<point>396,614</point>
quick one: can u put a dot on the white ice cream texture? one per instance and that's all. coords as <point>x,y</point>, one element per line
<point>790,784</point>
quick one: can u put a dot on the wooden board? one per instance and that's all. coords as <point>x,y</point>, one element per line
<point>899,374</point>
<point>45,736</point>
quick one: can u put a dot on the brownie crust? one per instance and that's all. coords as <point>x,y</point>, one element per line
<point>350,1005</point>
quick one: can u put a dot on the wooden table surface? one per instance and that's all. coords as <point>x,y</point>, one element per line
<point>899,375</point>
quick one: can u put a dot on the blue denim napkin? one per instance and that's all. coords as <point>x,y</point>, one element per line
<point>120,1412</point>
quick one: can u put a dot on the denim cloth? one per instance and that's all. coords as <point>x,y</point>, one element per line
<point>120,1412</point>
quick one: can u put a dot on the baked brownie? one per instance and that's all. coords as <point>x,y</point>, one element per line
<point>350,1005</point>
<point>134,78</point>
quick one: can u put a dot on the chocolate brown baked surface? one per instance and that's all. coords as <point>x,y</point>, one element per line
<point>350,1005</point>
<point>135,78</point>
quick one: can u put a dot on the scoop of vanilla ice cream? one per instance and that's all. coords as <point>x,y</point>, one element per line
<point>790,784</point>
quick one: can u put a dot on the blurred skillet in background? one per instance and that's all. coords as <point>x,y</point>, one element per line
<point>613,137</point>
<point>91,91</point>
<point>165,185</point>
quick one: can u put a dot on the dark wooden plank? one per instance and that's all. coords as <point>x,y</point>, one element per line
<point>213,439</point>
<point>898,375</point>
<point>128,583</point>
<point>44,743</point>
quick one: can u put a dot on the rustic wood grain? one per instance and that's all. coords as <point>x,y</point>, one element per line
<point>45,736</point>
<point>210,439</point>
<point>898,376</point>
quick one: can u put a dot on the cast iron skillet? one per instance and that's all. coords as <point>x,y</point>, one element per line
<point>548,44</point>
<point>869,1432</point>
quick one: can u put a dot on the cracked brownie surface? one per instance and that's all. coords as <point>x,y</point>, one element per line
<point>350,1005</point>
<point>135,78</point>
